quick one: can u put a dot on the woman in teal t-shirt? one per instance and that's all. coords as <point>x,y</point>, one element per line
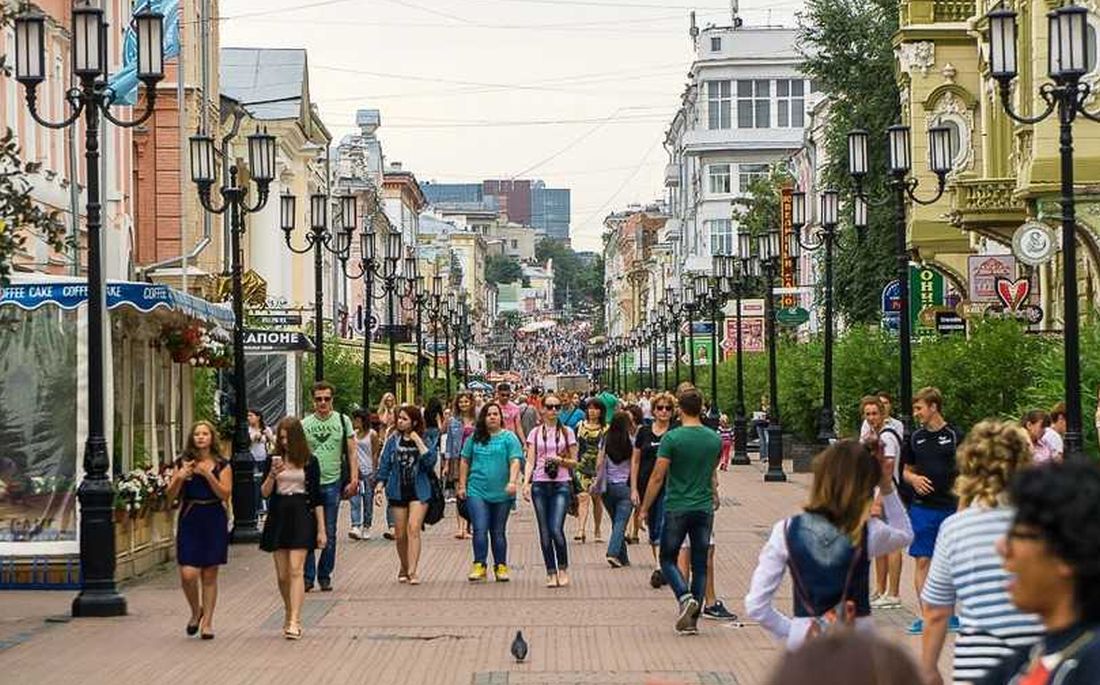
<point>488,479</point>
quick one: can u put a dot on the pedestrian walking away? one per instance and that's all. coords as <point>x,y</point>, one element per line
<point>296,523</point>
<point>688,458</point>
<point>829,546</point>
<point>403,477</point>
<point>612,485</point>
<point>331,439</point>
<point>1050,553</point>
<point>551,462</point>
<point>966,578</point>
<point>492,461</point>
<point>203,480</point>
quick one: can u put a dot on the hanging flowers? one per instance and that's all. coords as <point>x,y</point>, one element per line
<point>192,344</point>
<point>140,489</point>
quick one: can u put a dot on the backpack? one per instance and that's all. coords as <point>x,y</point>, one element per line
<point>837,618</point>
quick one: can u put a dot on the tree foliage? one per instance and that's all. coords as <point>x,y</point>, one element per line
<point>580,284</point>
<point>847,50</point>
<point>502,269</point>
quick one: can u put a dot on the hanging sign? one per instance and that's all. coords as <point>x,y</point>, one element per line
<point>926,289</point>
<point>276,341</point>
<point>983,272</point>
<point>786,230</point>
<point>1034,243</point>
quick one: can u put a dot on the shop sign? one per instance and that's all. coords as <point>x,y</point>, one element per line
<point>276,341</point>
<point>1034,243</point>
<point>949,322</point>
<point>983,272</point>
<point>792,316</point>
<point>926,289</point>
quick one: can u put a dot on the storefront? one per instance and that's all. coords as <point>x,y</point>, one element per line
<point>157,338</point>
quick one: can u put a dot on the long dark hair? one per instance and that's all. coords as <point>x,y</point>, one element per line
<point>295,450</point>
<point>481,429</point>
<point>598,404</point>
<point>416,419</point>
<point>433,412</point>
<point>617,445</point>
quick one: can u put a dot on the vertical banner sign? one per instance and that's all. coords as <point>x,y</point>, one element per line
<point>786,229</point>
<point>925,290</point>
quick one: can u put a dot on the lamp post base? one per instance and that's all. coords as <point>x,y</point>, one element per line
<point>775,473</point>
<point>740,440</point>
<point>826,427</point>
<point>99,596</point>
<point>245,530</point>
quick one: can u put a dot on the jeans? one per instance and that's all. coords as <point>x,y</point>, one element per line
<point>489,520</point>
<point>655,519</point>
<point>616,499</point>
<point>551,501</point>
<point>695,525</point>
<point>330,496</point>
<point>762,434</point>
<point>362,503</point>
<point>257,479</point>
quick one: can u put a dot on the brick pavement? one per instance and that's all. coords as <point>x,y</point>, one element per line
<point>609,627</point>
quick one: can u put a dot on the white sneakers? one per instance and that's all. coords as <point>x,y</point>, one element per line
<point>886,602</point>
<point>356,533</point>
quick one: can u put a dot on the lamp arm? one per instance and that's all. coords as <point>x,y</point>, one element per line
<point>364,268</point>
<point>1046,92</point>
<point>108,98</point>
<point>290,244</point>
<point>261,199</point>
<point>73,96</point>
<point>206,200</point>
<point>1083,92</point>
<point>910,188</point>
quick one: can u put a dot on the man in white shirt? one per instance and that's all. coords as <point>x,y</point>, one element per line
<point>887,408</point>
<point>646,406</point>
<point>888,567</point>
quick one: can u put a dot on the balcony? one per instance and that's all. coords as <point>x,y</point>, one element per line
<point>986,203</point>
<point>920,12</point>
<point>703,140</point>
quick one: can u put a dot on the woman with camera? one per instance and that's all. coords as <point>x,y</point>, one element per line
<point>551,458</point>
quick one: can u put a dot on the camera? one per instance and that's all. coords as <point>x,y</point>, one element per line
<point>551,469</point>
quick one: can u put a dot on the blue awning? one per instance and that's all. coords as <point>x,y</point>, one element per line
<point>144,297</point>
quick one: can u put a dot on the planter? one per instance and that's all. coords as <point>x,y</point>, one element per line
<point>800,453</point>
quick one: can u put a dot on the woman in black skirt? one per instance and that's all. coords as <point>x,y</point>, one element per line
<point>295,520</point>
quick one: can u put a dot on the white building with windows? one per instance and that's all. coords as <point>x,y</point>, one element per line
<point>743,110</point>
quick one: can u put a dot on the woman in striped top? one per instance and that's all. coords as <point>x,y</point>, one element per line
<point>966,576</point>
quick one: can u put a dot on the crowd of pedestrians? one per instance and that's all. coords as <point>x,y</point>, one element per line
<point>561,349</point>
<point>1004,538</point>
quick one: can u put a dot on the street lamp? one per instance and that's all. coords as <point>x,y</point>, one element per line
<point>234,201</point>
<point>417,298</point>
<point>829,201</point>
<point>98,595</point>
<point>435,307</point>
<point>735,273</point>
<point>713,299</point>
<point>899,165</point>
<point>368,270</point>
<point>675,311</point>
<point>767,249</point>
<point>319,239</point>
<point>1067,62</point>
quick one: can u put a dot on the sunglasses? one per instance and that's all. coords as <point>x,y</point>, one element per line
<point>552,405</point>
<point>322,399</point>
<point>662,407</point>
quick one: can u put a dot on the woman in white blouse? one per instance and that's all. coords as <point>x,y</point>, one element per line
<point>829,546</point>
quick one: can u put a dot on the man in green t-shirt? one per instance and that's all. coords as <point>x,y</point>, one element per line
<point>688,460</point>
<point>610,403</point>
<point>331,439</point>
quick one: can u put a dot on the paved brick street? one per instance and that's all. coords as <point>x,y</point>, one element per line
<point>609,627</point>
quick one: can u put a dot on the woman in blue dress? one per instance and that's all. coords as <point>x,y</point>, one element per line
<point>203,480</point>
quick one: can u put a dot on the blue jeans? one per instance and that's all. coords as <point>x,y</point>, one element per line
<point>362,503</point>
<point>655,519</point>
<point>489,520</point>
<point>616,499</point>
<point>330,496</point>
<point>695,525</point>
<point>551,502</point>
<point>257,479</point>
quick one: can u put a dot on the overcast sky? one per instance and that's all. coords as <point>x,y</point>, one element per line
<point>576,92</point>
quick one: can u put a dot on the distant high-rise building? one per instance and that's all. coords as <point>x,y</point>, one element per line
<point>531,203</point>
<point>551,211</point>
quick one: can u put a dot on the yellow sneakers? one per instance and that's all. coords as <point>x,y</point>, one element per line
<point>477,572</point>
<point>501,573</point>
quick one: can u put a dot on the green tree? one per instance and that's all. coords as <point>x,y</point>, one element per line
<point>579,284</point>
<point>848,52</point>
<point>502,269</point>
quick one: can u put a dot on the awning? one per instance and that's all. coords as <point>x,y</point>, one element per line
<point>144,297</point>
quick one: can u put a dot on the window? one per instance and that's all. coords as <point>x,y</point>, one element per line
<point>515,244</point>
<point>954,140</point>
<point>790,103</point>
<point>747,173</point>
<point>754,104</point>
<point>719,105</point>
<point>719,175</point>
<point>721,236</point>
<point>715,44</point>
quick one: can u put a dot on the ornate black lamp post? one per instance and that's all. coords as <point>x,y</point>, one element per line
<point>899,165</point>
<point>1067,63</point>
<point>369,267</point>
<point>690,305</point>
<point>711,300</point>
<point>652,332</point>
<point>734,272</point>
<point>675,314</point>
<point>99,595</point>
<point>319,239</point>
<point>435,305</point>
<point>767,250</point>
<point>261,163</point>
<point>827,240</point>
<point>414,299</point>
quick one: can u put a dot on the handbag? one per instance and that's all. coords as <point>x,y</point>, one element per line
<point>574,490</point>
<point>437,503</point>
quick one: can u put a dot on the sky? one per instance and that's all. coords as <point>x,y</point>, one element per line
<point>575,92</point>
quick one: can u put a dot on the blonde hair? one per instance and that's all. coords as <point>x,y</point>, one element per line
<point>663,397</point>
<point>191,451</point>
<point>988,460</point>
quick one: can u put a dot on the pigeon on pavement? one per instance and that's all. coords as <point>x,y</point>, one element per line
<point>519,646</point>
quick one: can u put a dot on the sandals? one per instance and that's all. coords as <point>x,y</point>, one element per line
<point>580,538</point>
<point>563,580</point>
<point>293,632</point>
<point>552,580</point>
<point>414,579</point>
<point>402,577</point>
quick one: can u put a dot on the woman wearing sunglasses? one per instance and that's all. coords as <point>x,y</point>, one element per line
<point>642,461</point>
<point>551,458</point>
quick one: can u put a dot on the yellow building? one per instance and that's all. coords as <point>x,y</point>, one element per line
<point>1004,173</point>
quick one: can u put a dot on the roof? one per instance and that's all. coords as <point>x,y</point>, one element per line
<point>262,74</point>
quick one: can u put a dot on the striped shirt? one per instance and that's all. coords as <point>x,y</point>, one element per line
<point>966,572</point>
